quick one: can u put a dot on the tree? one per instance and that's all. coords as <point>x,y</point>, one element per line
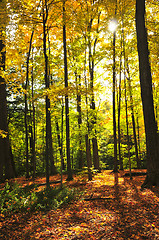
<point>133,117</point>
<point>33,122</point>
<point>26,106</point>
<point>119,110</point>
<point>49,148</point>
<point>69,170</point>
<point>126,111</point>
<point>92,51</point>
<point>147,98</point>
<point>5,159</point>
<point>78,85</point>
<point>87,135</point>
<point>87,55</point>
<point>114,108</point>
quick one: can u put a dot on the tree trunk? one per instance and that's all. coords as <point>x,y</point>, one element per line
<point>157,103</point>
<point>49,148</point>
<point>26,107</point>
<point>133,118</point>
<point>147,98</point>
<point>119,108</point>
<point>59,144</point>
<point>114,111</point>
<point>127,126</point>
<point>69,169</point>
<point>92,106</point>
<point>92,50</point>
<point>126,106</point>
<point>138,137</point>
<point>45,15</point>
<point>62,113</point>
<point>87,140</point>
<point>5,158</point>
<point>53,170</point>
<point>80,154</point>
<point>34,133</point>
<point>26,135</point>
<point>88,157</point>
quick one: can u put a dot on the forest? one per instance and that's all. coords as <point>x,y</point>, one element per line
<point>79,96</point>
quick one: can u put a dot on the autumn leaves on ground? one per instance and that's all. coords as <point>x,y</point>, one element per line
<point>111,206</point>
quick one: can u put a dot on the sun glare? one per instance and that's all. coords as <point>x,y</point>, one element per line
<point>113,25</point>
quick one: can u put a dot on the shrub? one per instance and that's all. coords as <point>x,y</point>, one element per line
<point>14,198</point>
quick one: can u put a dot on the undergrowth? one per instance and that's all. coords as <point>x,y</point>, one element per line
<point>15,198</point>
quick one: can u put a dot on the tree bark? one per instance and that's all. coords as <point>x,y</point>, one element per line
<point>147,98</point>
<point>49,147</point>
<point>34,133</point>
<point>80,154</point>
<point>133,118</point>
<point>92,106</point>
<point>138,137</point>
<point>59,143</point>
<point>119,108</point>
<point>87,139</point>
<point>88,157</point>
<point>126,106</point>
<point>114,110</point>
<point>5,158</point>
<point>127,126</point>
<point>62,116</point>
<point>46,101</point>
<point>26,107</point>
<point>69,169</point>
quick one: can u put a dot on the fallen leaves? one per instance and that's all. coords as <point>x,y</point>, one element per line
<point>129,213</point>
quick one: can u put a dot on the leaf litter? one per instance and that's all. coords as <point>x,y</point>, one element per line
<point>111,206</point>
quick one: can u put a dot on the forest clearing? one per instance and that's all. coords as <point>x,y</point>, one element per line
<point>108,207</point>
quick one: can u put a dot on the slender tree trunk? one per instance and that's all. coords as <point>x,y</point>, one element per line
<point>87,140</point>
<point>26,134</point>
<point>127,128</point>
<point>88,144</point>
<point>62,113</point>
<point>138,138</point>
<point>92,51</point>
<point>69,170</point>
<point>114,110</point>
<point>92,106</point>
<point>49,147</point>
<point>88,157</point>
<point>119,108</point>
<point>126,106</point>
<point>133,117</point>
<point>147,98</point>
<point>53,170</point>
<point>26,107</point>
<point>59,143</point>
<point>78,85</point>
<point>45,15</point>
<point>157,103</point>
<point>34,130</point>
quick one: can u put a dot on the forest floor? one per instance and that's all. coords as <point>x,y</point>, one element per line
<point>111,206</point>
